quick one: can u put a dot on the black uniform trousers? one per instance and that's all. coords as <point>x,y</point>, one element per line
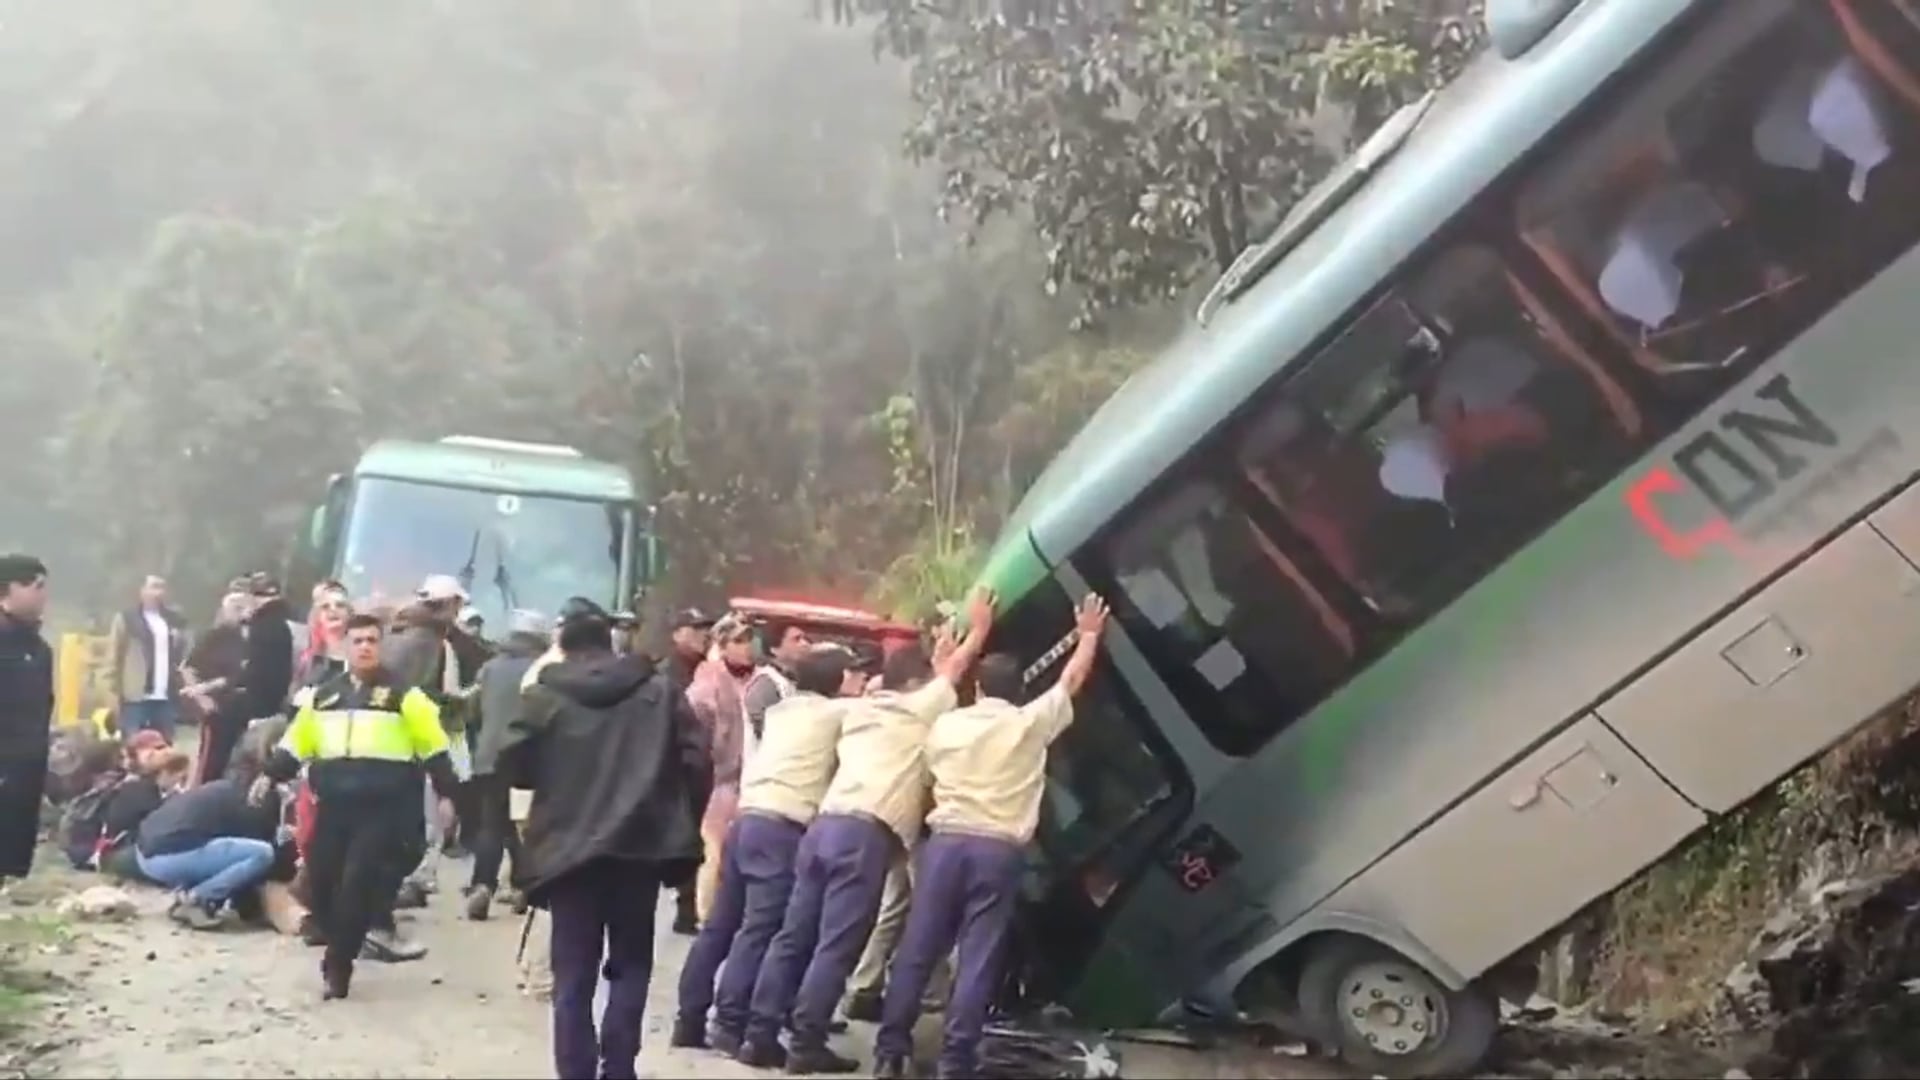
<point>362,849</point>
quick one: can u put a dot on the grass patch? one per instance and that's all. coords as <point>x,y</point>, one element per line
<point>24,938</point>
<point>33,930</point>
<point>1672,935</point>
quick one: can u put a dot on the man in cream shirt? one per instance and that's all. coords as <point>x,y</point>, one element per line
<point>989,767</point>
<point>781,786</point>
<point>871,814</point>
<point>536,961</point>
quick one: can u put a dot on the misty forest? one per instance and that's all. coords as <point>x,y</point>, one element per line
<point>838,275</point>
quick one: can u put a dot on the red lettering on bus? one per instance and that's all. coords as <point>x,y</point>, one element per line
<point>1196,872</point>
<point>1717,531</point>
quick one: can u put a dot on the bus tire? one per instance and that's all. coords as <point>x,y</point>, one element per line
<point>1386,1016</point>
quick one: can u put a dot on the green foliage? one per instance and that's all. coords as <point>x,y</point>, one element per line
<point>936,567</point>
<point>1148,141</point>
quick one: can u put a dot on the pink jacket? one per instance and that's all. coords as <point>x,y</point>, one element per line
<point>715,695</point>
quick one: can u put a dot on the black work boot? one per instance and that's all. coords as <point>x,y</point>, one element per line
<point>891,1068</point>
<point>821,1061</point>
<point>723,1042</point>
<point>336,980</point>
<point>759,1055</point>
<point>864,1006</point>
<point>688,1036</point>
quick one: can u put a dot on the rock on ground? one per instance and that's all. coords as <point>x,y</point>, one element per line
<point>1833,986</point>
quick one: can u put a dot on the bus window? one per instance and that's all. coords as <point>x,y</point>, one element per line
<point>1736,194</point>
<point>1436,435</point>
<point>1237,631</point>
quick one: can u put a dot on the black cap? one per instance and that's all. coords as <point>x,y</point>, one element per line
<point>694,619</point>
<point>21,569</point>
<point>579,609</point>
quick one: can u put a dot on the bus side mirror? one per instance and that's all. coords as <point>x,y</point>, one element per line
<point>317,528</point>
<point>322,519</point>
<point>651,559</point>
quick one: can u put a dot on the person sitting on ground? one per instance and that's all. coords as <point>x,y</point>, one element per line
<point>76,760</point>
<point>279,900</point>
<point>96,770</point>
<point>92,764</point>
<point>209,843</point>
<point>137,797</point>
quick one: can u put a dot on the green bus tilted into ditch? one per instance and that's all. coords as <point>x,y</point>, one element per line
<point>522,525</point>
<point>1539,491</point>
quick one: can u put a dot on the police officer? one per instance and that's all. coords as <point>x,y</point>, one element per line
<point>363,735</point>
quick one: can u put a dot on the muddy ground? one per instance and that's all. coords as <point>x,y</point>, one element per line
<point>145,997</point>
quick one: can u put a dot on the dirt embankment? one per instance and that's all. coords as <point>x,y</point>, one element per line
<point>1785,941</point>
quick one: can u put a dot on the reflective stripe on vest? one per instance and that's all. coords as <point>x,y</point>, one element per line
<point>363,734</point>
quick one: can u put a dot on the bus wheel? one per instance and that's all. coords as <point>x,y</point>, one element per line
<point>1387,1017</point>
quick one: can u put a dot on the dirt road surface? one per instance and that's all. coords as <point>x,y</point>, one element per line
<point>146,998</point>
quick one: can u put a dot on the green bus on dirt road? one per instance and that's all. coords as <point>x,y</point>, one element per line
<point>522,525</point>
<point>1539,491</point>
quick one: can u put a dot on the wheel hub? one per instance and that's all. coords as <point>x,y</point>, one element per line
<point>1393,1008</point>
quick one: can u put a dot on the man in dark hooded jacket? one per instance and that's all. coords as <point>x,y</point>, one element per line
<point>26,709</point>
<point>495,705</point>
<point>620,778</point>
<point>269,670</point>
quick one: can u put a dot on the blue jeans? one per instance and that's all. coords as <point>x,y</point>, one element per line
<point>158,715</point>
<point>213,872</point>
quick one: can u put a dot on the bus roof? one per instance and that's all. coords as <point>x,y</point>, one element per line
<point>1481,125</point>
<point>498,467</point>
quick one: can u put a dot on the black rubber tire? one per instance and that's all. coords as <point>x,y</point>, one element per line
<point>1472,1015</point>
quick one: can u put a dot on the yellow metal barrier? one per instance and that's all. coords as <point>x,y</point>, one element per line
<point>80,675</point>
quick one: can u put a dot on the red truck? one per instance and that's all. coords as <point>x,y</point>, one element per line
<point>826,622</point>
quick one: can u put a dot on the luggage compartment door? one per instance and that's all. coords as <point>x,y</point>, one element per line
<point>1568,823</point>
<point>1782,677</point>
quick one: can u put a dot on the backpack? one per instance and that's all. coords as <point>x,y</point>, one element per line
<point>82,825</point>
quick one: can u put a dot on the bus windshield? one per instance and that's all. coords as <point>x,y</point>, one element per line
<point>509,550</point>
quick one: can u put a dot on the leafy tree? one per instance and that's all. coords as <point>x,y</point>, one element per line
<point>1149,139</point>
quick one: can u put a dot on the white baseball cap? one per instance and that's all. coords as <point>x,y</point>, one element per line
<point>521,621</point>
<point>442,587</point>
